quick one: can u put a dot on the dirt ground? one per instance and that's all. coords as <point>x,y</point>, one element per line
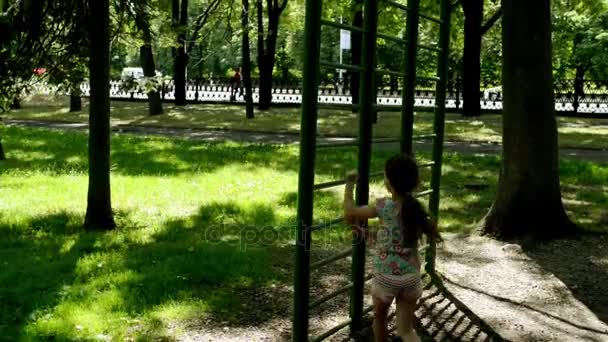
<point>490,291</point>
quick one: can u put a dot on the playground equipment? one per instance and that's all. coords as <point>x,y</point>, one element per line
<point>367,108</point>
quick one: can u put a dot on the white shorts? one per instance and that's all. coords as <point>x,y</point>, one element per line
<point>388,287</point>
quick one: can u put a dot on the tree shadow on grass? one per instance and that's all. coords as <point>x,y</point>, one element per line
<point>38,259</point>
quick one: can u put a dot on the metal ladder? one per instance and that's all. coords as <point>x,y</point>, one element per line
<point>367,108</point>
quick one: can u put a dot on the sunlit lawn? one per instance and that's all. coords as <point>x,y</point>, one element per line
<point>585,133</point>
<point>199,224</point>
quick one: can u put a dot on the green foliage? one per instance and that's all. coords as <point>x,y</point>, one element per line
<point>580,37</point>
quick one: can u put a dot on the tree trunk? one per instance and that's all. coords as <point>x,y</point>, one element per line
<point>75,99</point>
<point>528,201</point>
<point>146,58</point>
<point>2,156</point>
<point>579,86</point>
<point>473,12</point>
<point>355,45</point>
<point>99,208</point>
<point>16,103</point>
<point>247,61</point>
<point>181,57</point>
<point>147,62</point>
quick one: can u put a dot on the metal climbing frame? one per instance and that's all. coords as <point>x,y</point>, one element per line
<point>367,107</point>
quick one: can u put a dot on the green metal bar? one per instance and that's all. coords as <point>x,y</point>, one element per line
<point>423,193</point>
<point>329,184</point>
<point>331,259</point>
<point>390,72</point>
<point>411,9</point>
<point>336,293</point>
<point>341,26</point>
<point>392,39</point>
<point>409,86</point>
<point>331,331</point>
<point>308,134</point>
<point>439,123</point>
<point>367,99</point>
<point>431,48</point>
<point>349,67</point>
<point>324,225</point>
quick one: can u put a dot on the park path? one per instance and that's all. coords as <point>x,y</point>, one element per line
<point>462,147</point>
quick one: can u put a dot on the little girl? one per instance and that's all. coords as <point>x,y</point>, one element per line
<point>396,264</point>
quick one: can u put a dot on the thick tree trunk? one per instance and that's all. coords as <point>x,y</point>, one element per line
<point>155,105</point>
<point>99,208</point>
<point>355,44</point>
<point>181,56</point>
<point>246,68</point>
<point>75,99</point>
<point>473,12</point>
<point>528,202</point>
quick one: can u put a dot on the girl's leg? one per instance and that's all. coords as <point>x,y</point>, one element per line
<point>406,307</point>
<point>380,320</point>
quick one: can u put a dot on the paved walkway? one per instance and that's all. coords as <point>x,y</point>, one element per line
<point>475,148</point>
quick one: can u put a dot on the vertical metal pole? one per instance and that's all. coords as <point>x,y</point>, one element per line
<point>355,46</point>
<point>409,84</point>
<point>308,134</point>
<point>367,97</point>
<point>439,124</point>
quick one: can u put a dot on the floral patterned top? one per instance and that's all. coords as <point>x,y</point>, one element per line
<point>392,258</point>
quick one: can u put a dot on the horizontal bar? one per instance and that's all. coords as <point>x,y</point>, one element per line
<point>390,72</point>
<point>428,17</point>
<point>331,259</point>
<point>428,47</point>
<point>331,295</point>
<point>350,67</point>
<point>324,225</point>
<point>342,26</point>
<point>356,143</point>
<point>335,293</point>
<point>391,38</point>
<point>348,106</point>
<point>429,164</point>
<point>331,331</point>
<point>423,136</point>
<point>431,78</point>
<point>423,193</point>
<point>405,8</point>
<point>368,309</point>
<point>328,184</point>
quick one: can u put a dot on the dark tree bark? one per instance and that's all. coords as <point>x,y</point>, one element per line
<point>247,61</point>
<point>528,202</point>
<point>2,156</point>
<point>473,13</point>
<point>267,47</point>
<point>181,55</point>
<point>16,103</point>
<point>579,85</point>
<point>99,208</point>
<point>146,56</point>
<point>75,99</point>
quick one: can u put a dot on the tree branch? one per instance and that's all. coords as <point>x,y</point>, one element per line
<point>491,22</point>
<point>201,20</point>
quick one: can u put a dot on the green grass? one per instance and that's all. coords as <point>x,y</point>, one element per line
<point>200,226</point>
<point>574,133</point>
